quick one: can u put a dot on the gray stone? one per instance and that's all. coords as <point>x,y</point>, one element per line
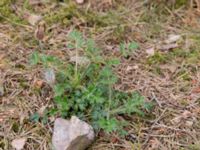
<point>72,134</point>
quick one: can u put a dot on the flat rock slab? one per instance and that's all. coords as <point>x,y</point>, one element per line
<point>73,134</point>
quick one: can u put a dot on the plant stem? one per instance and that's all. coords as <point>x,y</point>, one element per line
<point>109,100</point>
<point>76,65</point>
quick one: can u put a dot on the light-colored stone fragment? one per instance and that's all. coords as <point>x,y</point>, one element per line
<point>150,51</point>
<point>72,134</point>
<point>80,1</point>
<point>33,19</point>
<point>172,38</point>
<point>19,143</point>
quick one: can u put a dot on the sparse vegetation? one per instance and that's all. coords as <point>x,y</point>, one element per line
<point>86,90</point>
<point>109,61</point>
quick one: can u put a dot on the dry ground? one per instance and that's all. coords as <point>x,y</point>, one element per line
<point>170,78</point>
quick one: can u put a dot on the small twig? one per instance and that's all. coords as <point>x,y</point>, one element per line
<point>76,65</point>
<point>157,101</point>
<point>158,135</point>
<point>155,122</point>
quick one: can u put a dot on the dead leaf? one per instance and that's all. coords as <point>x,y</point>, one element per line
<point>19,143</point>
<point>188,44</point>
<point>172,38</point>
<point>4,62</point>
<point>171,68</point>
<point>154,144</point>
<point>167,47</point>
<point>129,68</point>
<point>186,114</point>
<point>52,118</point>
<point>191,18</point>
<point>40,31</point>
<point>41,110</point>
<point>5,40</point>
<point>196,90</point>
<point>23,116</point>
<point>176,120</point>
<point>38,83</point>
<point>8,111</point>
<point>189,123</point>
<point>194,81</point>
<point>81,60</point>
<point>33,19</point>
<point>114,140</point>
<point>150,51</point>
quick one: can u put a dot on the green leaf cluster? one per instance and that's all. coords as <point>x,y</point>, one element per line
<point>127,49</point>
<point>87,91</point>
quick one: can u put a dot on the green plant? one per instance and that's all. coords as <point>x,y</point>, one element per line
<point>87,90</point>
<point>127,48</point>
<point>7,14</point>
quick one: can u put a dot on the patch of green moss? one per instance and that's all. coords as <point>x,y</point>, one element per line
<point>103,19</point>
<point>62,14</point>
<point>3,143</point>
<point>27,6</point>
<point>194,146</point>
<point>183,75</point>
<point>119,33</point>
<point>72,13</point>
<point>184,102</point>
<point>154,21</point>
<point>157,70</point>
<point>180,3</point>
<point>157,58</point>
<point>5,7</point>
<point>178,53</point>
<point>170,4</point>
<point>189,57</point>
<point>65,15</point>
<point>193,57</point>
<point>7,13</point>
<point>15,127</point>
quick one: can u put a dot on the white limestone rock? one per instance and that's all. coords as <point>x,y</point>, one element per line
<point>73,134</point>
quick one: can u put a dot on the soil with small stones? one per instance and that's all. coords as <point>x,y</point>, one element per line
<point>169,79</point>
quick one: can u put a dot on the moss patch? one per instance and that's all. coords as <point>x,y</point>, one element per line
<point>7,13</point>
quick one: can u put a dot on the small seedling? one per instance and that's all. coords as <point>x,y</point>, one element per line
<point>87,90</point>
<point>127,49</point>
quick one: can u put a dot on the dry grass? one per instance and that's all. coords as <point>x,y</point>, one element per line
<point>170,80</point>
